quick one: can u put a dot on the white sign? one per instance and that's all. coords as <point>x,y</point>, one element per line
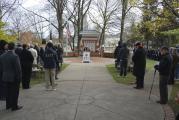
<point>86,57</point>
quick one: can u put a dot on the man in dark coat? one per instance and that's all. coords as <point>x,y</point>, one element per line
<point>11,74</point>
<point>26,59</point>
<point>116,54</point>
<point>123,55</point>
<point>3,48</point>
<point>164,69</point>
<point>139,59</point>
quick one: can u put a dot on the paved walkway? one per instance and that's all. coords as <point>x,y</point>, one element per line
<point>85,92</point>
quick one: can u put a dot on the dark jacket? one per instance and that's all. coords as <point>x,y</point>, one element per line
<point>18,51</point>
<point>165,65</point>
<point>50,58</point>
<point>139,59</point>
<point>124,53</point>
<point>26,58</point>
<point>10,67</point>
<point>116,52</point>
<point>60,55</point>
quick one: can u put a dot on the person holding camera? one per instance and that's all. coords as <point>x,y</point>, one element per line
<point>164,69</point>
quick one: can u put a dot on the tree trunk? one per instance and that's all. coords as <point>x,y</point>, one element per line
<point>122,29</point>
<point>124,10</point>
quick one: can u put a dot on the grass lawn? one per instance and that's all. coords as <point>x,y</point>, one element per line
<point>150,64</point>
<point>129,78</point>
<point>38,77</point>
<point>115,74</point>
<point>172,102</point>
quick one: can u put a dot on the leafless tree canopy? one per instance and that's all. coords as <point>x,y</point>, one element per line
<point>7,6</point>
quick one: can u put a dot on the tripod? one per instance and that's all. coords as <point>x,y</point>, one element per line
<point>152,84</point>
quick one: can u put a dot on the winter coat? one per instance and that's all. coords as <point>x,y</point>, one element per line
<point>139,60</point>
<point>124,53</point>
<point>50,58</point>
<point>26,58</point>
<point>10,67</point>
<point>165,65</point>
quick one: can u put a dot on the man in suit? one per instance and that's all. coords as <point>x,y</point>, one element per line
<point>11,74</point>
<point>139,59</point>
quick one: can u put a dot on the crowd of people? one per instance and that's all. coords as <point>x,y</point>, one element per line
<point>153,54</point>
<point>167,62</point>
<point>17,63</point>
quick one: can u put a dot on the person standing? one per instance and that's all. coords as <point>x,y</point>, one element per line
<point>26,59</point>
<point>34,54</point>
<point>164,69</point>
<point>139,60</point>
<point>3,48</point>
<point>123,55</point>
<point>116,54</point>
<point>60,55</point>
<point>11,74</point>
<point>50,60</point>
<point>175,61</point>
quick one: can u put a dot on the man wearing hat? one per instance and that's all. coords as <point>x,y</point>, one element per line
<point>139,59</point>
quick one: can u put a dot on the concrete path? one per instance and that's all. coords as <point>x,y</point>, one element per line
<point>85,92</point>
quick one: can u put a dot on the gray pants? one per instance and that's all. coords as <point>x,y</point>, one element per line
<point>163,89</point>
<point>50,78</point>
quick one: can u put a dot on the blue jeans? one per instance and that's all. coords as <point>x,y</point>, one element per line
<point>123,67</point>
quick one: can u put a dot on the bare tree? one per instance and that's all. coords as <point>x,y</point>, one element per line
<point>125,9</point>
<point>80,8</point>
<point>37,24</point>
<point>60,21</point>
<point>8,6</point>
<point>17,23</point>
<point>106,11</point>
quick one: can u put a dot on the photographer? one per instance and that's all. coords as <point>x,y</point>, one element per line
<point>164,69</point>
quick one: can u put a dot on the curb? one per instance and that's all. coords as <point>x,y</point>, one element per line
<point>169,114</point>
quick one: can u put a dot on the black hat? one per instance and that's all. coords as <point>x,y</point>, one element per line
<point>137,43</point>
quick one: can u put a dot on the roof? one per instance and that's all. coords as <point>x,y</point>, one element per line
<point>92,33</point>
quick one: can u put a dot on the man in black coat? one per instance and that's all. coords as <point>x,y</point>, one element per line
<point>164,69</point>
<point>139,59</point>
<point>26,59</point>
<point>11,74</point>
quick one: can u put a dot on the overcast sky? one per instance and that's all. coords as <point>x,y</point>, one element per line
<point>31,3</point>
